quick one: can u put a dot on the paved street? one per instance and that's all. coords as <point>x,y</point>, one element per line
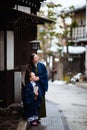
<point>72,101</point>
<point>53,121</point>
<point>66,107</point>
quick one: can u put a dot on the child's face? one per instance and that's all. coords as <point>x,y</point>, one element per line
<point>32,76</point>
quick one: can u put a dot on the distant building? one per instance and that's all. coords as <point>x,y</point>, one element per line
<point>75,62</point>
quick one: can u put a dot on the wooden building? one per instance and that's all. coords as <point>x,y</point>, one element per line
<point>76,61</point>
<point>79,38</point>
<point>18,27</point>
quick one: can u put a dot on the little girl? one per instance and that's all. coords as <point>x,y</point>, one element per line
<point>31,96</point>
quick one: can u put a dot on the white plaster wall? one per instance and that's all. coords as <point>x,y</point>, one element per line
<point>17,86</point>
<point>10,50</point>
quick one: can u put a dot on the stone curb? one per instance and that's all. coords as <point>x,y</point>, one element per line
<point>22,125</point>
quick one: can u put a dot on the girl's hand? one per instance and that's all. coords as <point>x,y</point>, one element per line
<point>36,93</point>
<point>36,78</point>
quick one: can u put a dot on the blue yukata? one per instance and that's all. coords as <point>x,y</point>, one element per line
<point>41,72</point>
<point>30,104</point>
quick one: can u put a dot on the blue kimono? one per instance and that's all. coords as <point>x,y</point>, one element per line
<point>41,71</point>
<point>30,104</point>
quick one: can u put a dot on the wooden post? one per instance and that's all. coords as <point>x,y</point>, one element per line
<point>86,45</point>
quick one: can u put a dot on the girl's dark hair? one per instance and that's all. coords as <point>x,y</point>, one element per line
<point>27,76</point>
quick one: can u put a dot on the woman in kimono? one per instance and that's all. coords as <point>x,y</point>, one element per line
<point>31,96</point>
<point>41,77</point>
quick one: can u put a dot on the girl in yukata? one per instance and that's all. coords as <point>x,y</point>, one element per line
<point>31,96</point>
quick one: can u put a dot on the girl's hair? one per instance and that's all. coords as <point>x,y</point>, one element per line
<point>27,76</point>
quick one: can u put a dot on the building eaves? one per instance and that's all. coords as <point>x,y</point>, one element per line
<point>79,9</point>
<point>76,9</point>
<point>15,17</point>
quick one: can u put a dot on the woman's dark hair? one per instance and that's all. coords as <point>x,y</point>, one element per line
<point>28,71</point>
<point>31,61</point>
<point>32,56</point>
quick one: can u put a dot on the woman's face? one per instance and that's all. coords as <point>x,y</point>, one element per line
<point>35,58</point>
